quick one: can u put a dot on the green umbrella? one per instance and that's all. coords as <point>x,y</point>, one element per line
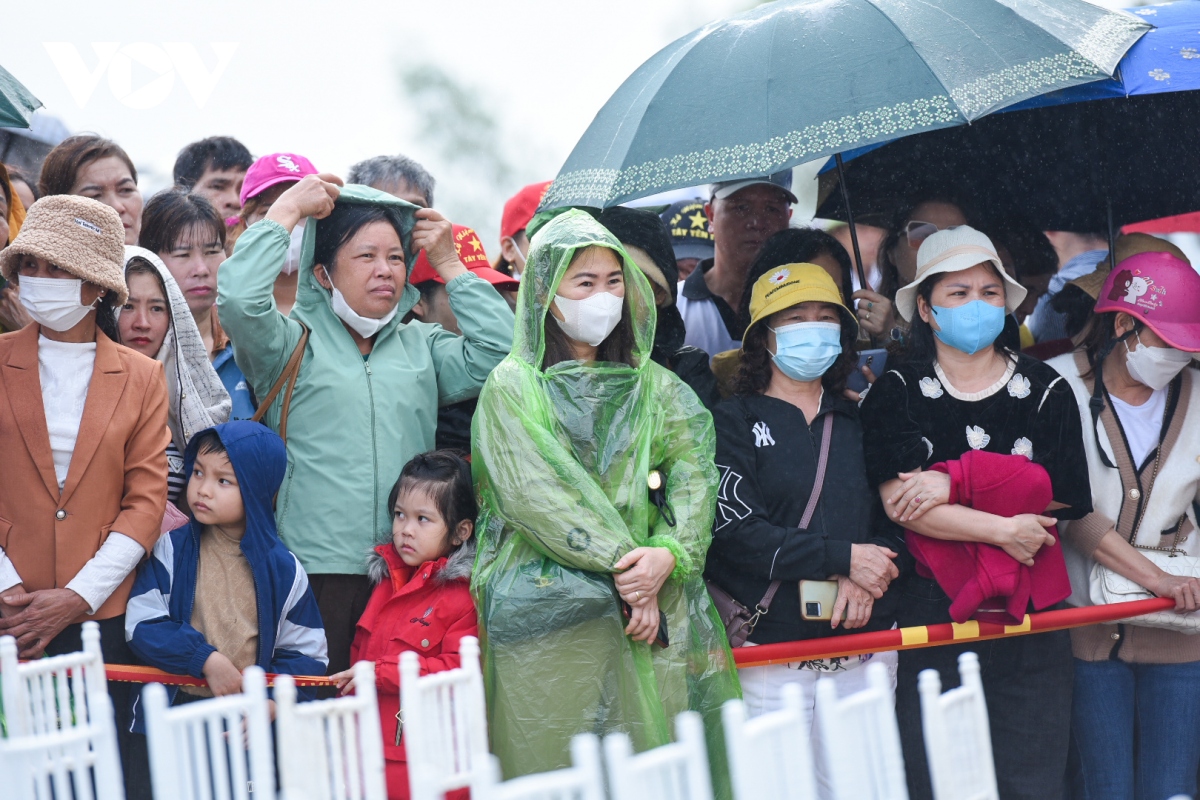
<point>797,80</point>
<point>16,102</point>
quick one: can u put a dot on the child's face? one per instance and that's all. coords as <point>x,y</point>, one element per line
<point>419,532</point>
<point>213,492</point>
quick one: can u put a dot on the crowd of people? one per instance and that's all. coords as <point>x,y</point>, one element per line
<point>274,417</point>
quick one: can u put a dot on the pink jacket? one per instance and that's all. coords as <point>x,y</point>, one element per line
<point>982,580</point>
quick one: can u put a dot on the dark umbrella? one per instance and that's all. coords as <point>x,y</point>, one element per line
<point>1066,158</point>
<point>1064,167</point>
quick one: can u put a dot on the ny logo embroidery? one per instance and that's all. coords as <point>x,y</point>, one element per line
<point>730,507</point>
<point>762,435</point>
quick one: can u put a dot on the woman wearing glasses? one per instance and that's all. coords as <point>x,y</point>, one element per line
<point>915,221</point>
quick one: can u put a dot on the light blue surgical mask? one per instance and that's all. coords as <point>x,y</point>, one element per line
<point>969,327</point>
<point>804,351</point>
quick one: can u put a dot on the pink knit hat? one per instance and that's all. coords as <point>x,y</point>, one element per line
<point>275,168</point>
<point>1159,290</point>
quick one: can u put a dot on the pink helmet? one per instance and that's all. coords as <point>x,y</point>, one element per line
<point>1161,291</point>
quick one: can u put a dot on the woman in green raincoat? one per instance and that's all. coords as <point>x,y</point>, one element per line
<point>568,430</point>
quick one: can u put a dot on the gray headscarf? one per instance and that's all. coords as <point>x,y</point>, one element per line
<point>198,399</point>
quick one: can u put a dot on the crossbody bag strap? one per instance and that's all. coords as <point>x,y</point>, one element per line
<point>819,483</point>
<point>291,371</point>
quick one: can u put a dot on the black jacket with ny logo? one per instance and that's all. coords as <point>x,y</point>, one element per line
<point>767,458</point>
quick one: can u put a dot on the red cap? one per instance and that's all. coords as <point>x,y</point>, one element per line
<point>471,254</point>
<point>521,207</point>
<point>1161,291</point>
<point>275,168</point>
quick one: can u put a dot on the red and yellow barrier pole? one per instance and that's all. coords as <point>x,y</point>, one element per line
<point>811,649</point>
<point>947,633</point>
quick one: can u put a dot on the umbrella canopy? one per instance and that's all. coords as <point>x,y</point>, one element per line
<point>795,80</point>
<point>16,102</point>
<point>1060,167</point>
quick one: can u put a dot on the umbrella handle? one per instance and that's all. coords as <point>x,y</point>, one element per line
<point>858,265</point>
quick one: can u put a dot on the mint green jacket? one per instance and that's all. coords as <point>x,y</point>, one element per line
<point>353,422</point>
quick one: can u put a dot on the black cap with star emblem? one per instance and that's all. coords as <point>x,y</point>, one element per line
<point>688,224</point>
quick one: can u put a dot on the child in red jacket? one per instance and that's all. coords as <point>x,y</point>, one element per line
<point>422,601</point>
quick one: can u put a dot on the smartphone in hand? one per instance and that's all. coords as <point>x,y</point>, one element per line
<point>661,638</point>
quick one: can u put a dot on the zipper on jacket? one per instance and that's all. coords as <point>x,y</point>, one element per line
<point>374,453</point>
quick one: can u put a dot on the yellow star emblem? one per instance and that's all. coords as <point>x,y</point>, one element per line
<point>698,220</point>
<point>476,245</point>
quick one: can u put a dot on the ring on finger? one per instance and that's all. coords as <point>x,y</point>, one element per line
<point>870,306</point>
<point>638,595</point>
<point>917,500</point>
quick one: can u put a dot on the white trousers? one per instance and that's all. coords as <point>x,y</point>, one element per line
<point>762,692</point>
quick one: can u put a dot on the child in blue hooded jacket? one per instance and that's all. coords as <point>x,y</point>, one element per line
<point>223,592</point>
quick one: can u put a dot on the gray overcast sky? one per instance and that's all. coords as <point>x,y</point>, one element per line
<point>322,78</point>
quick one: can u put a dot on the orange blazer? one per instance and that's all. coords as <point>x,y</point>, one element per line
<point>117,480</point>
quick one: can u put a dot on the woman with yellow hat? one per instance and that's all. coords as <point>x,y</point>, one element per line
<point>781,521</point>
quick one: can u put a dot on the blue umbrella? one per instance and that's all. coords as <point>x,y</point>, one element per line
<point>794,80</point>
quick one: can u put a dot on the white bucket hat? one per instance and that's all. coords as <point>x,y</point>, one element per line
<point>954,250</point>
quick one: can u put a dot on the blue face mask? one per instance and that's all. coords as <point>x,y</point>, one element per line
<point>969,327</point>
<point>805,350</point>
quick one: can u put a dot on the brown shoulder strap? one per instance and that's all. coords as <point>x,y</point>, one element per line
<point>818,484</point>
<point>291,371</point>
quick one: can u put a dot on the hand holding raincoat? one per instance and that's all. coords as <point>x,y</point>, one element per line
<point>561,458</point>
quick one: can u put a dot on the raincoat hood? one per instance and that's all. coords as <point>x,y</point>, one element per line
<point>197,398</point>
<point>550,254</point>
<point>259,460</point>
<point>314,299</point>
<point>561,458</point>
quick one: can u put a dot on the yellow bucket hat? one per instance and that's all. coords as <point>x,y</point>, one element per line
<point>791,285</point>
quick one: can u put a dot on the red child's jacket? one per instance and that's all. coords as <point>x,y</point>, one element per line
<point>427,610</point>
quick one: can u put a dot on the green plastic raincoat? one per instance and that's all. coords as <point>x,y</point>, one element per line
<point>561,459</point>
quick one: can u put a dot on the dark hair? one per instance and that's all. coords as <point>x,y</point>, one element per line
<point>645,230</point>
<point>922,348</point>
<point>172,213</point>
<point>1076,305</point>
<point>1031,251</point>
<point>208,441</point>
<point>889,274</point>
<point>447,478</point>
<point>346,220</point>
<point>106,316</point>
<point>754,369</point>
<point>63,163</point>
<point>389,170</point>
<point>15,174</point>
<point>215,152</point>
<point>794,246</point>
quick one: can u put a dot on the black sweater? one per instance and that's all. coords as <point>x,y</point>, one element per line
<point>767,457</point>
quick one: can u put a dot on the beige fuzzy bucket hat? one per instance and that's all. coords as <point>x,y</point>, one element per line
<point>77,234</point>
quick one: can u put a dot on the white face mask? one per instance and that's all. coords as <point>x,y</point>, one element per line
<point>592,319</point>
<point>54,303</point>
<point>363,326</point>
<point>292,264</point>
<point>1154,366</point>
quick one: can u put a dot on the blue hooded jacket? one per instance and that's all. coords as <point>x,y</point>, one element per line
<point>291,638</point>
